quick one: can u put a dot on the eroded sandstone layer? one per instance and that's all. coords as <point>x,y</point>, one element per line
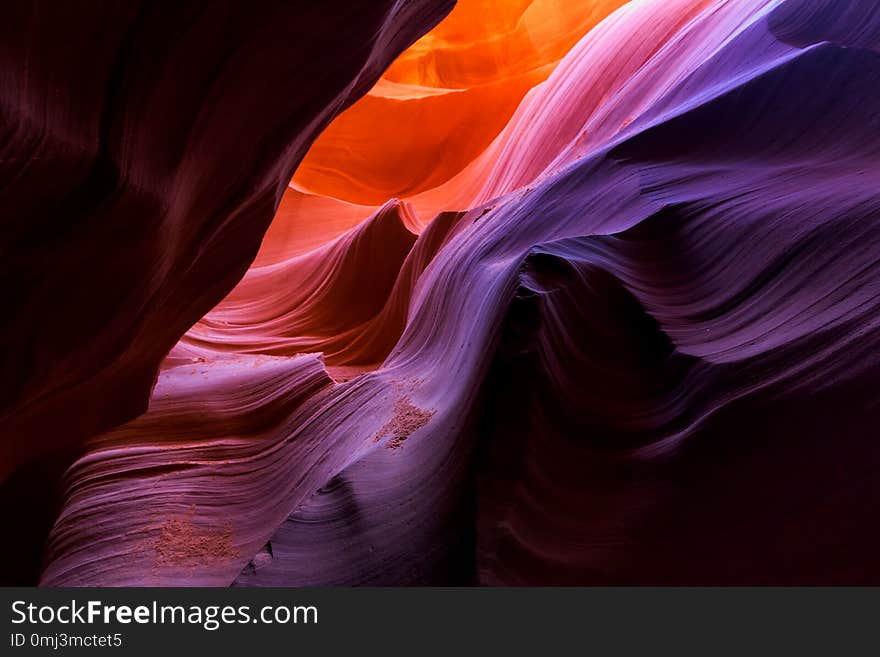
<point>579,292</point>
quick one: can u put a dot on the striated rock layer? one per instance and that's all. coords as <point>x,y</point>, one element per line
<point>143,150</point>
<point>626,330</point>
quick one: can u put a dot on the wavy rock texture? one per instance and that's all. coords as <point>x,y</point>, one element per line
<point>627,333</point>
<point>143,150</point>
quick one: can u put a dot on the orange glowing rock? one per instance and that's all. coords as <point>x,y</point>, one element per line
<point>445,99</point>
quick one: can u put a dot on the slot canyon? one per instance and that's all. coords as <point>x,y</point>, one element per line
<point>417,292</point>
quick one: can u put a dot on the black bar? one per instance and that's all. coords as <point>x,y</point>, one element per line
<point>459,621</point>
